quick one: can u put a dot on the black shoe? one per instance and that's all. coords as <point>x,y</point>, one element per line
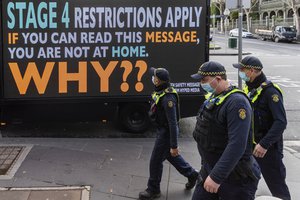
<point>192,181</point>
<point>148,195</point>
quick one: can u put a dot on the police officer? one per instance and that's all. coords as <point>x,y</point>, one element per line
<point>165,112</point>
<point>269,124</point>
<point>224,139</point>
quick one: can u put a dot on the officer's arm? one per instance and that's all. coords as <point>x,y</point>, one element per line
<point>238,113</point>
<point>170,104</point>
<point>275,104</point>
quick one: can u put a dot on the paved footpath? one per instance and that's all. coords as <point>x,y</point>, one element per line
<point>113,168</point>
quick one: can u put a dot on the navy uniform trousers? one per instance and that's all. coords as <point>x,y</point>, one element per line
<point>160,153</point>
<point>274,172</point>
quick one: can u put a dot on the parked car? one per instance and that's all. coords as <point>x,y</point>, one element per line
<point>245,33</point>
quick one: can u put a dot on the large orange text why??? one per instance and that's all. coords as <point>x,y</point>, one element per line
<point>104,73</point>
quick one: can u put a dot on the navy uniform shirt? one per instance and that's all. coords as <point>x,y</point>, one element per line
<point>271,103</point>
<point>236,113</point>
<point>169,105</point>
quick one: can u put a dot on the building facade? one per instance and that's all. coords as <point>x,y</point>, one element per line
<point>277,8</point>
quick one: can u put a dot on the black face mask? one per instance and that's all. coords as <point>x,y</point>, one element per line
<point>257,81</point>
<point>161,87</point>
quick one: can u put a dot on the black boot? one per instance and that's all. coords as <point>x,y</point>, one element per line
<point>148,195</point>
<point>192,181</point>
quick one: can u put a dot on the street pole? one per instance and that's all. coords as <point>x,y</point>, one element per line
<point>226,39</point>
<point>226,14</point>
<point>240,26</point>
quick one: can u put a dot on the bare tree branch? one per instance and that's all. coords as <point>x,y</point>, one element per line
<point>248,11</point>
<point>219,4</point>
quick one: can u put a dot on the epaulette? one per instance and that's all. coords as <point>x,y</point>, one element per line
<point>169,90</point>
<point>266,84</point>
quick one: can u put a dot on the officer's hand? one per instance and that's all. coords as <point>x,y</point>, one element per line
<point>259,151</point>
<point>210,185</point>
<point>174,152</point>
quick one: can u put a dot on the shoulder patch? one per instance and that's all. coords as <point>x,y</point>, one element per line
<point>242,113</point>
<point>275,98</point>
<point>170,104</point>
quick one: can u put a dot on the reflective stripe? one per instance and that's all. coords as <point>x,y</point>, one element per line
<point>218,100</point>
<point>252,126</point>
<point>156,96</point>
<point>254,98</point>
<point>207,96</point>
<point>222,98</point>
<point>259,90</point>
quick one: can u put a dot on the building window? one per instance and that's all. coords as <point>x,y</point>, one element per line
<point>280,13</point>
<point>272,14</point>
<point>290,13</point>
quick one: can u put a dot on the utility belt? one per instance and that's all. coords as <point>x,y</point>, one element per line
<point>242,170</point>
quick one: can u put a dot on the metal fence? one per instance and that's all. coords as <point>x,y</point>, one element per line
<point>269,23</point>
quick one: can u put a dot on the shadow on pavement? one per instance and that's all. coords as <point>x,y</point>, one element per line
<point>69,130</point>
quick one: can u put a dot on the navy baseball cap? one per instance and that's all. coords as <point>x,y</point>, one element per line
<point>249,62</point>
<point>210,68</point>
<point>161,73</point>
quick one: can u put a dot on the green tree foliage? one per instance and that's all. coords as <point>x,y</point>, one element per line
<point>255,16</point>
<point>234,15</point>
<point>214,10</point>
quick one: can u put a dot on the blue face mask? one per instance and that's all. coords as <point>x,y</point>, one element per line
<point>207,87</point>
<point>243,76</point>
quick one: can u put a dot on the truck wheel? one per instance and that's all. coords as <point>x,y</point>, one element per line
<point>134,118</point>
<point>263,39</point>
<point>276,39</point>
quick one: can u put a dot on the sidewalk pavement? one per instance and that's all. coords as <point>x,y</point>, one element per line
<point>113,168</point>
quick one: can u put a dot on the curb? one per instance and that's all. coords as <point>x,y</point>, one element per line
<point>228,54</point>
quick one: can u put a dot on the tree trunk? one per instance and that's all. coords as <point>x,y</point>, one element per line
<point>221,19</point>
<point>222,25</point>
<point>248,21</point>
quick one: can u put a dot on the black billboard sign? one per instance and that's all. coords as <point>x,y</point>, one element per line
<point>81,48</point>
